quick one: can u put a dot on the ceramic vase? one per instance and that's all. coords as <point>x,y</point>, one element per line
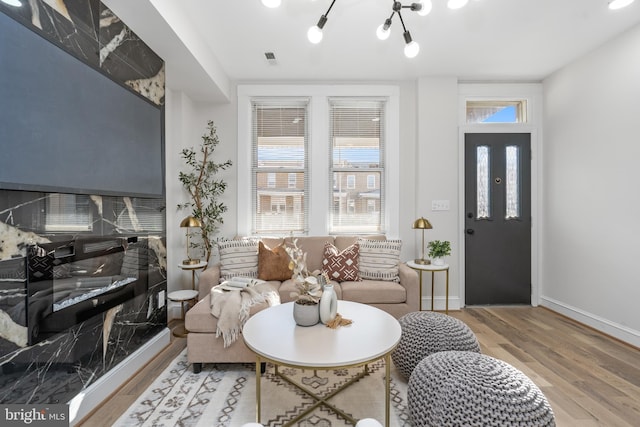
<point>306,314</point>
<point>328,304</point>
<point>437,261</point>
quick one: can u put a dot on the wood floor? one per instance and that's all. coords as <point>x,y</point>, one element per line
<point>588,378</point>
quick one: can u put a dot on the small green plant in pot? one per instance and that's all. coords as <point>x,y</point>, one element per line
<point>439,249</point>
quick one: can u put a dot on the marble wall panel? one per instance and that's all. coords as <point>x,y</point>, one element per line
<point>57,368</point>
<point>90,31</point>
<point>62,365</point>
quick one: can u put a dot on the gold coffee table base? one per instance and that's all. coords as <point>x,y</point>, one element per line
<point>324,400</point>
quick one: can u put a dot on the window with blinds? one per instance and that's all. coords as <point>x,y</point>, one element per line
<point>279,165</point>
<point>357,165</point>
<point>139,214</point>
<point>68,212</point>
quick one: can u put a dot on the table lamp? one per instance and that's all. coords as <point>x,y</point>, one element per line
<point>188,223</point>
<point>422,224</point>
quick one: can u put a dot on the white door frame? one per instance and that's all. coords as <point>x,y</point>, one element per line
<point>532,93</point>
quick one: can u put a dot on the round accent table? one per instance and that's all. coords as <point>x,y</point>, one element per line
<point>432,268</point>
<point>193,268</point>
<point>182,297</point>
<point>274,337</point>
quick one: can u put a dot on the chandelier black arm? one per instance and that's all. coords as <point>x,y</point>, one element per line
<point>402,22</point>
<point>330,6</point>
<point>323,18</point>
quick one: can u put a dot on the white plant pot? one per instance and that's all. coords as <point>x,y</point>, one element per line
<point>437,261</point>
<point>306,315</point>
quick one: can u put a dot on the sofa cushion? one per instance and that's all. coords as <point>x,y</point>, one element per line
<point>379,259</point>
<point>342,242</point>
<point>289,286</point>
<point>313,246</point>
<point>273,264</point>
<point>199,317</point>
<point>238,258</point>
<point>341,266</point>
<point>374,292</point>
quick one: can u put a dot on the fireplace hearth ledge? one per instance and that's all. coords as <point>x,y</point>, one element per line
<point>87,400</point>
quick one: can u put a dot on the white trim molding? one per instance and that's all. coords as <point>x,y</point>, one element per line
<point>87,400</point>
<point>532,93</point>
<point>608,327</point>
<point>319,125</point>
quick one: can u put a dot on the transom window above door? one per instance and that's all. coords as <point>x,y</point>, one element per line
<point>497,111</point>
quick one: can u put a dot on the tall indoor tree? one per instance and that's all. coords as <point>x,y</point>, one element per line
<point>204,187</point>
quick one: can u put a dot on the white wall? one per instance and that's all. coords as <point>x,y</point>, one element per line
<point>437,175</point>
<point>186,122</point>
<point>591,175</point>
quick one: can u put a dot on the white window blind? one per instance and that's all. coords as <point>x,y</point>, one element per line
<point>279,165</point>
<point>357,162</point>
<point>138,214</point>
<point>68,212</point>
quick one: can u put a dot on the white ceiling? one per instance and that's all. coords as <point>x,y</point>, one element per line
<point>488,40</point>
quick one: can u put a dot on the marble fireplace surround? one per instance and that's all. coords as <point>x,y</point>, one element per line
<point>86,361</point>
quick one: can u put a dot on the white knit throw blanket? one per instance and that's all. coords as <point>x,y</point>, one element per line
<point>232,307</point>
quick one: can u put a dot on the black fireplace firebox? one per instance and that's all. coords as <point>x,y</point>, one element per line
<point>71,281</point>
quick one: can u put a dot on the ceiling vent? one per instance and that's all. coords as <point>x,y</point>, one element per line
<point>271,58</point>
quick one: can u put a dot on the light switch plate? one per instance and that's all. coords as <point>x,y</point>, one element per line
<point>439,205</point>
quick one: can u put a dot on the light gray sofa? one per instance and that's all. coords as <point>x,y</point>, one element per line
<point>396,298</point>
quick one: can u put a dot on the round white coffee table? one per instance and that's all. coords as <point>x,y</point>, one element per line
<point>274,337</point>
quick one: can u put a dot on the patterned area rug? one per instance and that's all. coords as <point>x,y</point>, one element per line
<point>225,395</point>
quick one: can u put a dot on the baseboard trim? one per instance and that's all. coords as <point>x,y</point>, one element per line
<point>86,401</point>
<point>439,303</point>
<point>620,332</point>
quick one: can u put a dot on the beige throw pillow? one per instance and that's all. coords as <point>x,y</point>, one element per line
<point>238,258</point>
<point>379,259</point>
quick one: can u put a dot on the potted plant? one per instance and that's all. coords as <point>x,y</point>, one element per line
<point>204,188</point>
<point>306,310</point>
<point>439,249</point>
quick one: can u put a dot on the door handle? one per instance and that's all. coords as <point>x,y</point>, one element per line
<point>470,231</point>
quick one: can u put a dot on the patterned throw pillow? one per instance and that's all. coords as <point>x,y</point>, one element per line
<point>273,264</point>
<point>379,259</point>
<point>341,266</point>
<point>238,258</point>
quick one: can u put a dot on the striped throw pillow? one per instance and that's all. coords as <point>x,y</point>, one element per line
<point>238,258</point>
<point>379,259</point>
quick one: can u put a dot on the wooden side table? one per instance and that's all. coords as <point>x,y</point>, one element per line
<point>182,297</point>
<point>432,268</point>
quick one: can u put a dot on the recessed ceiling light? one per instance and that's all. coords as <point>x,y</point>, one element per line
<point>15,3</point>
<point>619,4</point>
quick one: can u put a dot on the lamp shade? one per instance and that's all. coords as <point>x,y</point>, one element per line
<point>422,224</point>
<point>190,222</point>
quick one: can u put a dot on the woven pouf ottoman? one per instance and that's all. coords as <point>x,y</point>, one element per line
<point>457,388</point>
<point>428,332</point>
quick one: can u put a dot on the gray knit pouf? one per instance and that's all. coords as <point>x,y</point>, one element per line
<point>458,388</point>
<point>427,332</point>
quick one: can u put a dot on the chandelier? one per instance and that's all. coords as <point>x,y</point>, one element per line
<point>411,48</point>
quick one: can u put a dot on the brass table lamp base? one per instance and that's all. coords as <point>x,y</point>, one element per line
<point>422,261</point>
<point>191,261</point>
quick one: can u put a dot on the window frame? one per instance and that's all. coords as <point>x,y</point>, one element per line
<point>319,205</point>
<point>260,215</point>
